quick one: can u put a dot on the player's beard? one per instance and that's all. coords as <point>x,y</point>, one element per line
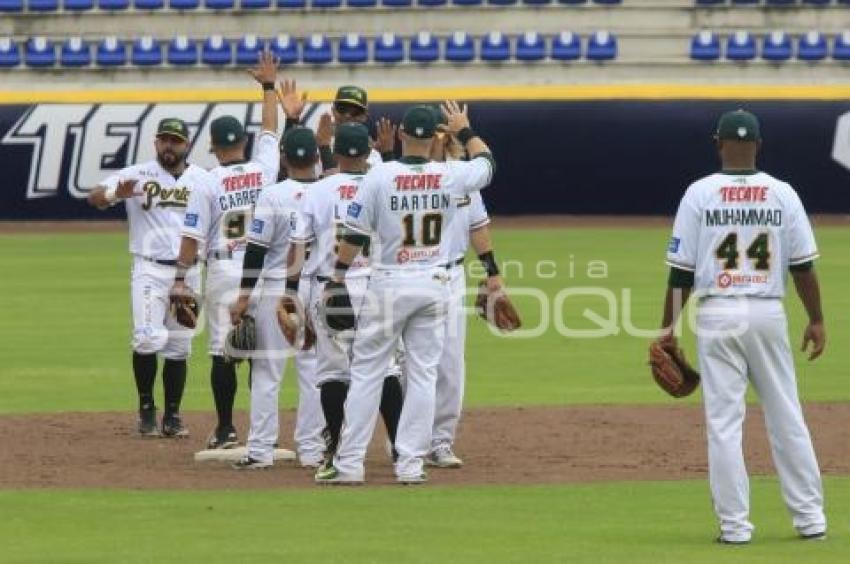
<point>170,159</point>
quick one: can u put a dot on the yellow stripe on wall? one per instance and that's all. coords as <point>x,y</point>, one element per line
<point>504,93</point>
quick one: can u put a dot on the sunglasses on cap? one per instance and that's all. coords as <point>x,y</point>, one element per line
<point>347,109</point>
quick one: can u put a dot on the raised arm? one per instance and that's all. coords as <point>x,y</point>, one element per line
<point>265,73</point>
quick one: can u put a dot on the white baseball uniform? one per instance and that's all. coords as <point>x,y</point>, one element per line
<point>739,233</point>
<point>451,371</point>
<point>155,214</point>
<point>218,217</point>
<point>406,206</point>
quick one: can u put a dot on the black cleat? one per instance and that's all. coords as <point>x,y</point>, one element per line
<point>147,421</point>
<point>223,439</point>
<point>172,426</point>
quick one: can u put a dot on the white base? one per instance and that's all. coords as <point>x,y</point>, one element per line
<point>234,454</point>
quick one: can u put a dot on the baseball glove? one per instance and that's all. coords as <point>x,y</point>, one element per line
<point>295,323</point>
<point>185,309</point>
<point>671,370</point>
<point>336,307</point>
<point>241,340</point>
<point>496,308</point>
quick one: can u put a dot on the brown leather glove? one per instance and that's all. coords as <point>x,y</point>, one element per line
<point>295,324</point>
<point>671,370</point>
<point>497,309</point>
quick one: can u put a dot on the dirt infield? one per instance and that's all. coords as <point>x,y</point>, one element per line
<point>500,446</point>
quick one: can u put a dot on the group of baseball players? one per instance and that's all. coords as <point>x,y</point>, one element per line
<point>328,249</point>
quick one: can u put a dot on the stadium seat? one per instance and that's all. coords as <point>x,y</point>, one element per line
<point>536,2</point>
<point>467,2</point>
<point>495,46</point>
<point>184,4</point>
<point>566,46</point>
<point>216,51</point>
<point>110,52</point>
<point>10,53</point>
<point>78,5</point>
<point>146,52</point>
<point>841,47</point>
<point>361,3</point>
<point>608,2</point>
<point>572,2</point>
<point>710,2</point>
<point>741,46</point>
<point>291,4</point>
<point>601,46</point>
<point>502,2</point>
<point>219,4</point>
<point>113,5</point>
<point>432,3</point>
<point>460,47</point>
<point>256,4</point>
<point>285,49</point>
<point>780,3</point>
<point>746,2</point>
<point>397,3</point>
<point>42,5</point>
<point>817,2</point>
<point>353,49</point>
<point>40,52</point>
<point>182,51</point>
<point>777,46</point>
<point>812,47</point>
<point>316,50</point>
<point>149,4</point>
<point>388,48</point>
<point>705,46</point>
<point>11,6</point>
<point>248,50</point>
<point>530,46</point>
<point>75,53</point>
<point>424,48</point>
<point>326,3</point>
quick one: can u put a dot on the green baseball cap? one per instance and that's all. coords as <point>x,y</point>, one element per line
<point>349,94</point>
<point>738,125</point>
<point>226,131</point>
<point>419,122</point>
<point>174,127</point>
<point>299,143</point>
<point>351,140</point>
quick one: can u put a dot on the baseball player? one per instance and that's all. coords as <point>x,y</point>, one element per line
<point>406,205</point>
<point>323,210</point>
<point>155,194</point>
<point>736,236</point>
<point>217,221</point>
<point>265,266</point>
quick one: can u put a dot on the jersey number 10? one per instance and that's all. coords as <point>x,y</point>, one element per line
<point>431,231</point>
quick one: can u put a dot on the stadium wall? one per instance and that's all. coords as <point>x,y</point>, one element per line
<point>559,150</point>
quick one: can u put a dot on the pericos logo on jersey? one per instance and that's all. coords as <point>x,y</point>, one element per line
<point>156,195</point>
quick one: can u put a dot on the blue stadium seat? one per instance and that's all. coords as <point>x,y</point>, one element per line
<point>780,3</point>
<point>601,46</point>
<point>841,47</point>
<point>292,4</point>
<point>285,49</point>
<point>741,46</point>
<point>113,5</point>
<point>149,4</point>
<point>42,5</point>
<point>502,2</point>
<point>397,3</point>
<point>608,2</point>
<point>10,53</point>
<point>11,6</point>
<point>705,46</point>
<point>182,51</point>
<point>216,51</point>
<point>566,46</point>
<point>776,46</point>
<point>353,49</point>
<point>316,50</point>
<point>110,52</point>
<point>571,2</point>
<point>256,4</point>
<point>432,3</point>
<point>78,5</point>
<point>812,47</point>
<point>146,52</point>
<point>530,46</point>
<point>361,3</point>
<point>495,46</point>
<point>424,47</point>
<point>459,47</point>
<point>184,4</point>
<point>817,2</point>
<point>388,48</point>
<point>40,52</point>
<point>710,2</point>
<point>746,2</point>
<point>248,50</point>
<point>219,4</point>
<point>326,3</point>
<point>467,2</point>
<point>536,2</point>
<point>75,53</point>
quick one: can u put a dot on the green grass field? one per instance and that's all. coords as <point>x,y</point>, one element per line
<point>66,330</point>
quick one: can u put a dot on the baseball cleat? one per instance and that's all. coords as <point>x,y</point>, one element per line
<point>172,426</point>
<point>329,475</point>
<point>147,422</point>
<point>248,463</point>
<point>722,540</point>
<point>443,457</point>
<point>821,536</point>
<point>412,479</point>
<point>222,439</point>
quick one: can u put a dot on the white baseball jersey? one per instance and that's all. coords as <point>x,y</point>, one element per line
<point>739,233</point>
<point>323,211</point>
<point>155,211</point>
<point>275,217</point>
<point>219,215</point>
<point>408,204</point>
<point>472,215</point>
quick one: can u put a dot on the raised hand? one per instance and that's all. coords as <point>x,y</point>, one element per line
<point>266,69</point>
<point>291,100</point>
<point>456,117</point>
<point>325,130</point>
<point>385,141</point>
